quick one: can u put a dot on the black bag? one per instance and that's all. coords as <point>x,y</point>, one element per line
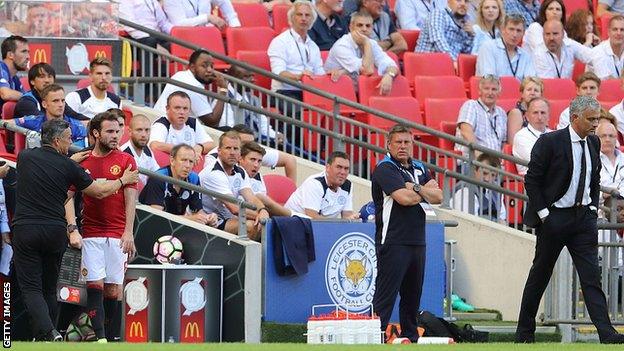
<point>438,327</point>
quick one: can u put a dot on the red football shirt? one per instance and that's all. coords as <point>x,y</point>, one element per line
<point>106,217</point>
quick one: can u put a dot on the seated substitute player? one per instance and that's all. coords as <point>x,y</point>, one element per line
<point>251,161</point>
<point>177,128</point>
<point>108,235</point>
<point>328,194</point>
<point>95,98</point>
<point>224,176</point>
<point>173,199</point>
<point>136,146</point>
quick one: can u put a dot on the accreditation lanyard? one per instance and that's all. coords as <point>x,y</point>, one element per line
<point>488,114</point>
<point>195,7</point>
<point>555,62</point>
<point>151,7</point>
<point>305,49</point>
<point>513,70</point>
<point>427,7</point>
<point>454,20</point>
<point>493,32</point>
<point>615,64</point>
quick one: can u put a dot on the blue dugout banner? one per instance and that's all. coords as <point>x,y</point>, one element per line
<point>344,272</point>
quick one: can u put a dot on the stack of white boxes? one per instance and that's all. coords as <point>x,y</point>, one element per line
<point>343,327</point>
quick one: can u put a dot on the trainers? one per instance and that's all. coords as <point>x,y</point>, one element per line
<point>401,341</point>
<point>52,336</point>
<point>460,305</point>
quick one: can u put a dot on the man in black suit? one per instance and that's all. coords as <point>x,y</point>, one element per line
<point>563,185</point>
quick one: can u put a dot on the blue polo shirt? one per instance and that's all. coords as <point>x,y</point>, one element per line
<point>79,132</point>
<point>396,224</point>
<point>6,81</point>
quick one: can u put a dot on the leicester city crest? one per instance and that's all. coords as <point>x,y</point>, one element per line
<point>350,272</point>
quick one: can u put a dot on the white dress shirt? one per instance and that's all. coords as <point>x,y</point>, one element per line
<point>612,174</point>
<point>147,13</point>
<point>233,115</point>
<point>411,14</point>
<point>460,202</point>
<point>618,112</point>
<point>570,195</point>
<point>493,59</point>
<point>200,104</point>
<point>481,36</point>
<point>289,52</point>
<point>548,65</point>
<point>195,12</point>
<point>564,119</point>
<point>523,143</point>
<point>533,37</point>
<point>346,54</point>
<point>605,64</point>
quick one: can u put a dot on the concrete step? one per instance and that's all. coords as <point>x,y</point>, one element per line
<point>510,329</point>
<point>475,316</point>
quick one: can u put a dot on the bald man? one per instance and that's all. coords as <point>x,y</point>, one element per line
<point>555,59</point>
<point>538,114</point>
<point>140,127</point>
<point>612,172</point>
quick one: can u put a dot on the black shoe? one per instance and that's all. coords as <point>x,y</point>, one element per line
<point>53,336</point>
<point>613,339</point>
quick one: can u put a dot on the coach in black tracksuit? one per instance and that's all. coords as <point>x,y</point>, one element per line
<point>399,185</point>
<point>563,185</point>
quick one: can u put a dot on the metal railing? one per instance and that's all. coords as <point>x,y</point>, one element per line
<point>242,204</point>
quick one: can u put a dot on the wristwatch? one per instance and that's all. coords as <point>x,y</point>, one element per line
<point>417,188</point>
<point>391,74</point>
<point>71,228</point>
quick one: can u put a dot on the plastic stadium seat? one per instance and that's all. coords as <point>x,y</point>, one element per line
<point>395,58</point>
<point>514,206</point>
<point>8,108</point>
<point>259,59</point>
<point>128,113</point>
<point>603,25</point>
<point>442,110</point>
<point>280,17</point>
<point>405,107</point>
<point>25,83</point>
<point>85,82</point>
<point>206,37</point>
<point>510,88</point>
<point>448,128</point>
<point>342,88</point>
<point>411,37</point>
<point>507,104</point>
<point>559,89</point>
<point>556,107</point>
<point>608,104</point>
<point>367,87</point>
<point>611,90</point>
<point>162,158</point>
<point>427,64</point>
<point>573,5</point>
<point>324,54</point>
<point>438,87</point>
<point>279,187</point>
<point>248,38</point>
<point>466,67</point>
<point>19,140</point>
<point>579,68</point>
<point>252,15</point>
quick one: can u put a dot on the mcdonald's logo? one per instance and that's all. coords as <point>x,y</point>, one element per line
<point>191,330</point>
<point>136,329</point>
<point>99,51</point>
<point>100,54</point>
<point>40,56</point>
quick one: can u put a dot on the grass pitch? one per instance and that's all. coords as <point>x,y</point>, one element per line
<point>303,347</point>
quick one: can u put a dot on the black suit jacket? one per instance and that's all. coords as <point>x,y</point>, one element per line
<point>550,172</point>
<point>325,37</point>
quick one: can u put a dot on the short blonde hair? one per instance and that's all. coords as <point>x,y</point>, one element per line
<point>291,12</point>
<point>498,23</point>
<point>527,80</point>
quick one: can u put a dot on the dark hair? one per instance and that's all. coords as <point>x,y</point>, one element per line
<point>178,93</point>
<point>576,25</point>
<point>196,54</point>
<point>96,121</point>
<point>243,129</point>
<point>229,134</point>
<point>587,76</point>
<point>10,44</point>
<point>252,147</point>
<point>49,89</point>
<point>175,149</point>
<point>117,112</point>
<point>52,129</point>
<point>100,61</point>
<point>513,18</point>
<point>38,70</point>
<point>489,159</point>
<point>541,17</point>
<point>337,154</point>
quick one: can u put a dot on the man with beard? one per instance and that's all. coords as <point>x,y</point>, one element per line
<point>15,56</point>
<point>95,98</point>
<point>39,76</point>
<point>199,74</point>
<point>108,235</point>
<point>140,127</point>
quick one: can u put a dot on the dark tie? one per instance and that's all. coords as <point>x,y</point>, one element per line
<point>581,186</point>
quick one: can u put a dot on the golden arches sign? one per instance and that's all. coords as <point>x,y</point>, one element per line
<point>40,56</point>
<point>100,54</point>
<point>192,330</point>
<point>136,329</point>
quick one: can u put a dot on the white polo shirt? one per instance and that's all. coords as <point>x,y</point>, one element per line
<point>200,105</point>
<point>84,101</point>
<point>257,184</point>
<point>213,177</point>
<point>605,64</point>
<point>269,160</point>
<point>145,160</point>
<point>192,133</point>
<point>314,194</point>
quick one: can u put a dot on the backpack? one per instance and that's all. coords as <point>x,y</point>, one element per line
<point>439,327</point>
